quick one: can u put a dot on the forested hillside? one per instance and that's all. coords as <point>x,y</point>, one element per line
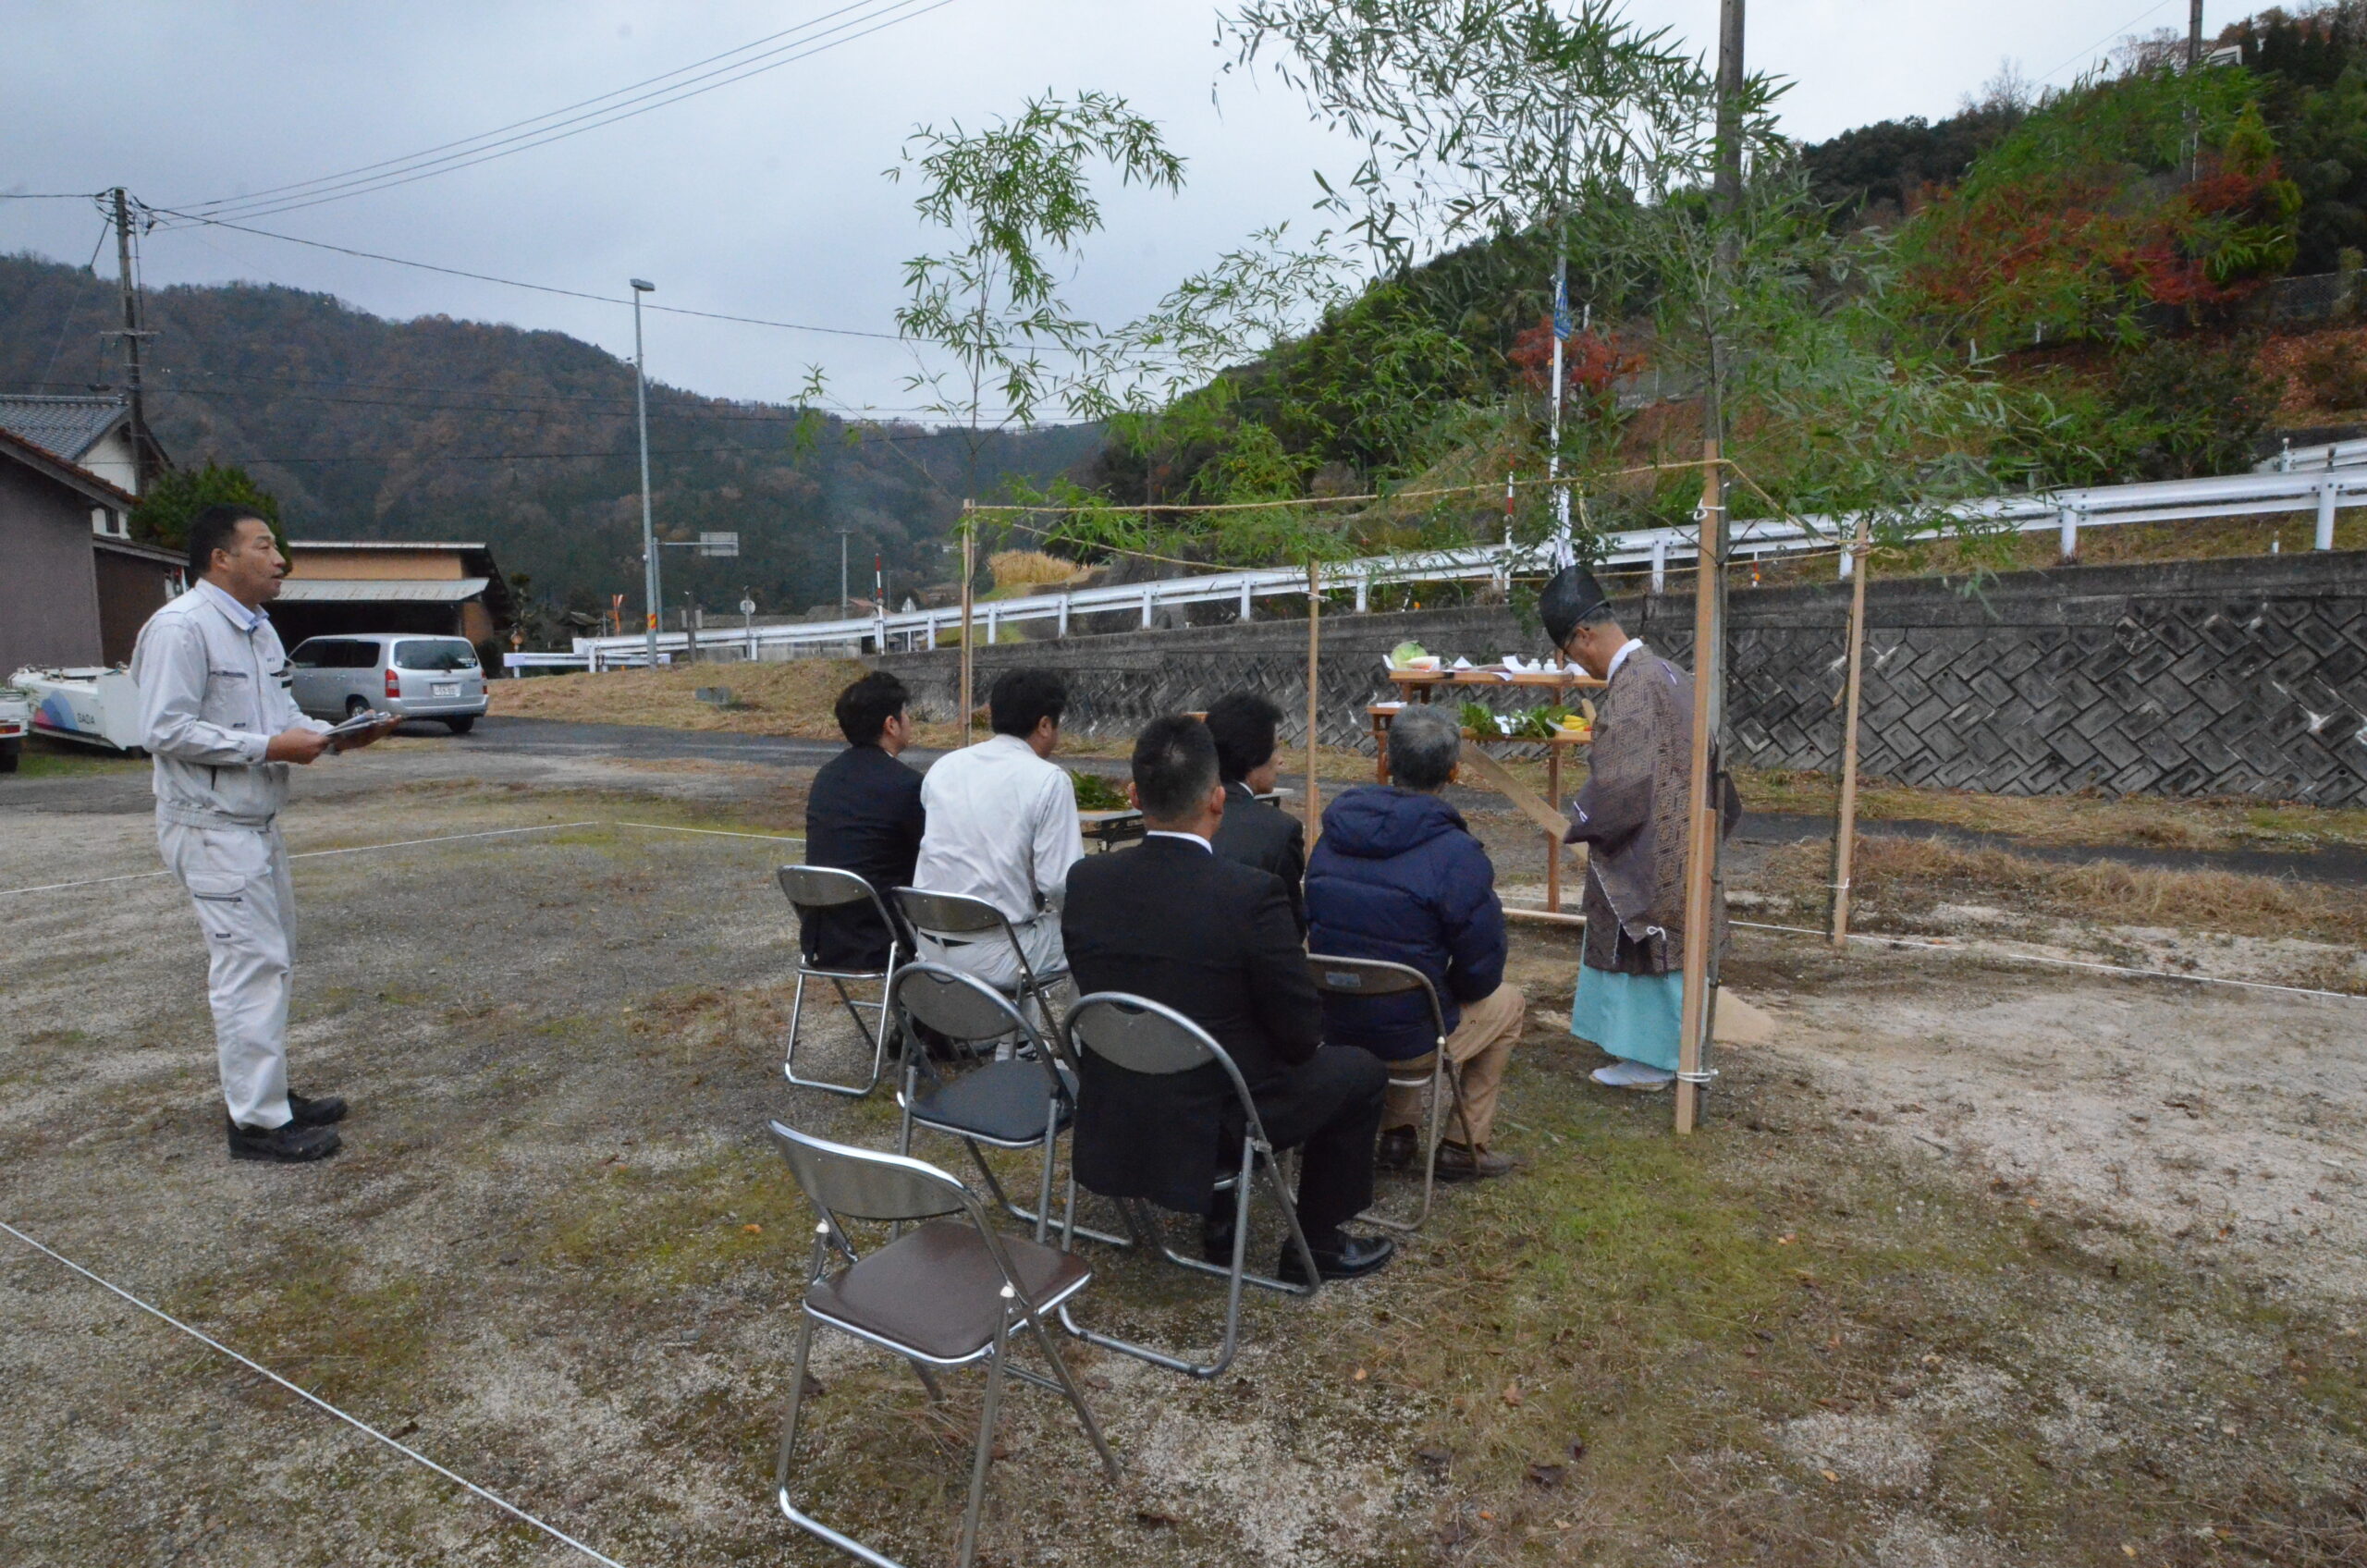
<point>2099,264</point>
<point>443,429</point>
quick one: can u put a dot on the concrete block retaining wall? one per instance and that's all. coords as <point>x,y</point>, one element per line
<point>2244,677</point>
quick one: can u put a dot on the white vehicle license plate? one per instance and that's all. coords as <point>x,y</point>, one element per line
<point>445,687</point>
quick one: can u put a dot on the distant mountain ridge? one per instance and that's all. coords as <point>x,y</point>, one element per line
<point>442,429</point>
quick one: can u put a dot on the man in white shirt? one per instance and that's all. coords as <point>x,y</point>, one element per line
<point>1002,826</point>
<point>216,716</point>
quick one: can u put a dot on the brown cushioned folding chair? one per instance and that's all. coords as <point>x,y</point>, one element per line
<point>1142,1035</point>
<point>1367,977</point>
<point>811,889</point>
<point>947,1293</point>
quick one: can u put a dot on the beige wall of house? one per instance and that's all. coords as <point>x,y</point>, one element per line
<point>325,561</point>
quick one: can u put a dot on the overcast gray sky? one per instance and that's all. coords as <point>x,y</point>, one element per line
<point>765,198</point>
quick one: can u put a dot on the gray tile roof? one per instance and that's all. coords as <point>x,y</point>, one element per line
<point>69,426</point>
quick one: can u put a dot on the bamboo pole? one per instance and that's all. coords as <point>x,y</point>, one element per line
<point>1701,832</point>
<point>969,572</point>
<point>1844,832</point>
<point>1314,704</point>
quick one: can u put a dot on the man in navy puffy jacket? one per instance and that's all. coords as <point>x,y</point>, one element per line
<point>1397,876</point>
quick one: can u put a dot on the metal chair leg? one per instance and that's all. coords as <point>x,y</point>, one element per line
<point>790,1511</point>
<point>878,1035</point>
<point>877,1029</point>
<point>1077,1395</point>
<point>985,1435</point>
<point>1235,1276</point>
<point>796,1406</point>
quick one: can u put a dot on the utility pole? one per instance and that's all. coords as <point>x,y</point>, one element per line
<point>1702,881</point>
<point>2193,33</point>
<point>146,459</point>
<point>648,530</point>
<point>846,606</point>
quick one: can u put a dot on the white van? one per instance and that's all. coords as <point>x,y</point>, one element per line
<point>405,674</point>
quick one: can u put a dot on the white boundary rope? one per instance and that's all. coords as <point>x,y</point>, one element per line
<point>407,844</point>
<point>444,839</point>
<point>711,832</point>
<point>1962,951</point>
<point>358,1425</point>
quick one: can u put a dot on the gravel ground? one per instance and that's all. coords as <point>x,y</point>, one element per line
<point>558,1255</point>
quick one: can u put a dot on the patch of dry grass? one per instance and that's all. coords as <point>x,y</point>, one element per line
<point>2061,820</point>
<point>1032,569</point>
<point>1769,1341</point>
<point>1906,876</point>
<point>768,699</point>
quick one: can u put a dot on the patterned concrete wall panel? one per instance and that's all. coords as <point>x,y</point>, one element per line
<point>2242,677</point>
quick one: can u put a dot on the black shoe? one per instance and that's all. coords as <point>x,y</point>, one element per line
<point>1354,1257</point>
<point>316,1113</point>
<point>1459,1162</point>
<point>293,1144</point>
<point>1396,1149</point>
<point>1216,1240</point>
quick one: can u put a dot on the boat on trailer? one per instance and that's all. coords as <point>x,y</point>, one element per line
<point>97,705</point>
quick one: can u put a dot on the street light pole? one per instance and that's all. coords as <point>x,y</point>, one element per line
<point>640,414</point>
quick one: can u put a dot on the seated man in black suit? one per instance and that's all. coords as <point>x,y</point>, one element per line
<point>1170,921</point>
<point>1253,832</point>
<point>864,814</point>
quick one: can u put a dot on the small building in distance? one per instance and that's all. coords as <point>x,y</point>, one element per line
<point>336,587</point>
<point>134,580</point>
<point>58,520</point>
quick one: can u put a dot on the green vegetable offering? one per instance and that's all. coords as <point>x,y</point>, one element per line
<point>1097,793</point>
<point>1540,724</point>
<point>1405,654</point>
<point>1480,719</point>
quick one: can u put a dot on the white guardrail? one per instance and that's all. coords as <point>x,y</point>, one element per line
<point>2333,482</point>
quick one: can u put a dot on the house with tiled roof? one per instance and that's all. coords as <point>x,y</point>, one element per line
<point>92,430</point>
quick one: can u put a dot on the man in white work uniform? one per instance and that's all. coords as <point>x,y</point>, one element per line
<point>216,715</point>
<point>1002,826</point>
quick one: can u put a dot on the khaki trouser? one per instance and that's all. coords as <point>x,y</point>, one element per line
<point>1479,1047</point>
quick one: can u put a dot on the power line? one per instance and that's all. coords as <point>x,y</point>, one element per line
<point>74,302</point>
<point>432,455</point>
<point>450,162</point>
<point>536,288</point>
<point>521,402</point>
<point>50,195</point>
<point>2120,31</point>
<point>470,141</point>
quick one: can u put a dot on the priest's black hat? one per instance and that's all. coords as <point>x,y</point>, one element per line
<point>1568,599</point>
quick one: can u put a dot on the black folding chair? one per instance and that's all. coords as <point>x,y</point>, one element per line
<point>1141,1036</point>
<point>811,889</point>
<point>1023,1101</point>
<point>958,920</point>
<point>1369,978</point>
<point>949,1292</point>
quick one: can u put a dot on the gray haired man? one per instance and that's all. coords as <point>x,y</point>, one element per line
<point>216,716</point>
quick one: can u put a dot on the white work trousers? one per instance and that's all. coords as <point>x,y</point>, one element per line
<point>238,883</point>
<point>989,956</point>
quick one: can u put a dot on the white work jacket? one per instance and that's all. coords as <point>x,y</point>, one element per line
<point>1002,826</point>
<point>213,693</point>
